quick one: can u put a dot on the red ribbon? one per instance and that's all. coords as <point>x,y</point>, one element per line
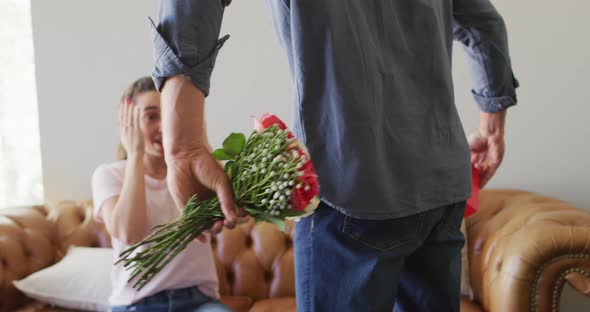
<point>473,201</point>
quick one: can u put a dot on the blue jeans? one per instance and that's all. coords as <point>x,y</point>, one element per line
<point>176,300</point>
<point>346,264</point>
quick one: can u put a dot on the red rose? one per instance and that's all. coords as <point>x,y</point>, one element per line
<point>309,187</point>
<point>268,121</point>
<point>297,200</point>
<point>308,168</point>
<point>300,198</point>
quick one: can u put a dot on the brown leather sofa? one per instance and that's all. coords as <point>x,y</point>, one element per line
<point>523,248</point>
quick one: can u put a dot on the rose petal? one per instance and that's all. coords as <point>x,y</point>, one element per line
<point>269,120</point>
<point>258,126</point>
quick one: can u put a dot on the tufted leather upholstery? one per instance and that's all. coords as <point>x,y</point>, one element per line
<point>256,261</point>
<point>523,248</point>
<point>32,238</point>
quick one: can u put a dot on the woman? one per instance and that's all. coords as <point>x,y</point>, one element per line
<point>131,197</point>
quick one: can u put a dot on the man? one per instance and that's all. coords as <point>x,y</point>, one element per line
<point>376,109</point>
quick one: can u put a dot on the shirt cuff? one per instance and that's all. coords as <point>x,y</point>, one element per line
<point>168,64</point>
<point>491,104</point>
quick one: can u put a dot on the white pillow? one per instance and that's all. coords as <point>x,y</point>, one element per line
<point>80,281</point>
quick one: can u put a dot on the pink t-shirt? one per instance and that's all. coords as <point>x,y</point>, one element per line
<point>194,266</point>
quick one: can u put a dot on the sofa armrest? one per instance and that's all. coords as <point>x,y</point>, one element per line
<point>32,238</point>
<point>27,241</point>
<point>75,225</point>
<point>524,247</point>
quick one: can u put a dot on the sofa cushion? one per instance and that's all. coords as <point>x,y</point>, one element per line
<point>237,303</point>
<point>286,304</point>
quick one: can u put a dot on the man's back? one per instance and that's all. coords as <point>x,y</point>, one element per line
<point>376,107</point>
<point>373,90</point>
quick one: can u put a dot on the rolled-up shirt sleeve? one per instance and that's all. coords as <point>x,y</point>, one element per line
<point>186,40</point>
<point>482,31</point>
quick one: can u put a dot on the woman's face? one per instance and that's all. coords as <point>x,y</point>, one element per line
<point>149,104</point>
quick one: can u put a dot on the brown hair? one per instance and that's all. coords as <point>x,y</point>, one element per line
<point>139,86</point>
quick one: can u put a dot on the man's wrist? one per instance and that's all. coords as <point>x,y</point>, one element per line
<point>492,124</point>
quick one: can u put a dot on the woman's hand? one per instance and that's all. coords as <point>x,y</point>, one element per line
<point>129,126</point>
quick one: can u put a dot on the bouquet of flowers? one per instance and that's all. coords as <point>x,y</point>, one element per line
<point>272,178</point>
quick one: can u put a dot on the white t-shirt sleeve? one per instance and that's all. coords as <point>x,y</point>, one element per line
<point>107,182</point>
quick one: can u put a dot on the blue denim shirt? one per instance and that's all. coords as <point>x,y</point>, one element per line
<point>373,89</point>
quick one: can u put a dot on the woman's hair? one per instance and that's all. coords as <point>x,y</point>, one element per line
<point>139,86</point>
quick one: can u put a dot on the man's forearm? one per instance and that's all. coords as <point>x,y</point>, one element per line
<point>183,125</point>
<point>492,124</point>
<point>185,45</point>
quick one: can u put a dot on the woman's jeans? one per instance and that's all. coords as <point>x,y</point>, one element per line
<point>176,300</point>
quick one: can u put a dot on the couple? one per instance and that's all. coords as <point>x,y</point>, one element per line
<point>375,107</point>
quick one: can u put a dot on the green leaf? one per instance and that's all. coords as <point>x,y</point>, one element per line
<point>234,144</point>
<point>229,168</point>
<point>220,154</point>
<point>278,222</point>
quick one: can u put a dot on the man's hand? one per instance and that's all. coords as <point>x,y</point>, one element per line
<point>192,169</point>
<point>199,173</point>
<point>487,145</point>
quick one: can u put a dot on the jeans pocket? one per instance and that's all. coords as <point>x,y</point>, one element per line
<point>383,235</point>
